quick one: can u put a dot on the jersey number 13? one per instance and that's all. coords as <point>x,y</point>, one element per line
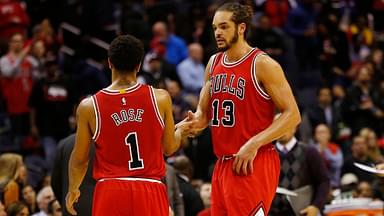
<point>228,107</point>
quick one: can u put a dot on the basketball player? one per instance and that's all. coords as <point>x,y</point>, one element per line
<point>132,126</point>
<point>243,86</point>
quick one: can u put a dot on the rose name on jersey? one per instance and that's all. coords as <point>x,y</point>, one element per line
<point>129,115</point>
<point>221,83</point>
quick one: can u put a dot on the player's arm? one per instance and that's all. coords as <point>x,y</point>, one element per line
<point>78,162</point>
<point>201,118</point>
<point>171,138</point>
<point>270,74</point>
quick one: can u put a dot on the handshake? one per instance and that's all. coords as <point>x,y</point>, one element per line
<point>192,125</point>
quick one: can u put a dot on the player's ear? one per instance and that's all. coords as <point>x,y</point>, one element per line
<point>110,64</point>
<point>137,68</point>
<point>241,29</point>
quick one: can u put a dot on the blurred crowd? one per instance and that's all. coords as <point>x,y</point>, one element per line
<point>54,53</point>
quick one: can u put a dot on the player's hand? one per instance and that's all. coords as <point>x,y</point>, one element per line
<point>171,212</point>
<point>310,211</point>
<point>243,163</point>
<point>183,129</point>
<point>199,123</point>
<point>70,199</point>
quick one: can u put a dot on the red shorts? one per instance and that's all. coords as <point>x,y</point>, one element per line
<point>239,195</point>
<point>141,197</point>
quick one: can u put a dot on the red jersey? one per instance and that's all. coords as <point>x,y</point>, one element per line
<point>128,134</point>
<point>240,107</point>
<point>18,87</point>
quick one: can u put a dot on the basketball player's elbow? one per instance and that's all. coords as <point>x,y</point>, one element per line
<point>295,117</point>
<point>78,162</point>
<point>171,148</point>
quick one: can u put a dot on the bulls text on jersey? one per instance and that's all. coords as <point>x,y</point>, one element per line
<point>233,85</point>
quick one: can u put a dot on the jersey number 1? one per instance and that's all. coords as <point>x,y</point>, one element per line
<point>136,162</point>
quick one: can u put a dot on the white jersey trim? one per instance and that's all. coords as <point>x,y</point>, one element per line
<point>260,90</point>
<point>236,63</point>
<point>131,179</point>
<point>155,107</point>
<point>98,119</point>
<point>117,92</point>
<point>212,63</point>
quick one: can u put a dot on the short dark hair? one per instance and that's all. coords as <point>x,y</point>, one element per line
<point>15,208</point>
<point>126,53</point>
<point>241,13</point>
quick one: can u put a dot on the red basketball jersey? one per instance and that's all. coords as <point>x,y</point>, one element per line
<point>240,107</point>
<point>128,134</point>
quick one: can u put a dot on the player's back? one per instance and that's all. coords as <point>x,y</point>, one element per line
<point>128,134</point>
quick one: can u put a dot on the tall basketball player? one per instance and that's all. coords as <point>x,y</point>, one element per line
<point>243,87</point>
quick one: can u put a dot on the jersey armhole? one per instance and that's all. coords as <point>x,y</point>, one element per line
<point>256,84</point>
<point>155,107</point>
<point>216,59</point>
<point>212,66</point>
<point>98,119</point>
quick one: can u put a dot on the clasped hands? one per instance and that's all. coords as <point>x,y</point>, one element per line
<point>194,123</point>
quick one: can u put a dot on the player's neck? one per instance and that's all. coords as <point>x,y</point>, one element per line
<point>122,81</point>
<point>237,51</point>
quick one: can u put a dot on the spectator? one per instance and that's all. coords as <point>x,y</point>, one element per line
<point>191,70</point>
<point>2,209</point>
<point>330,152</point>
<point>277,11</point>
<point>52,98</point>
<point>13,18</point>
<point>173,189</point>
<point>60,177</point>
<point>363,102</point>
<point>38,52</point>
<point>323,112</point>
<point>192,200</point>
<point>267,39</point>
<point>359,154</point>
<point>156,71</point>
<point>29,197</point>
<point>54,208</point>
<point>44,196</point>
<point>362,38</point>
<point>372,143</point>
<point>302,27</point>
<point>205,194</point>
<point>301,165</point>
<point>334,51</point>
<point>364,190</point>
<point>175,47</point>
<point>180,102</point>
<point>17,209</point>
<point>16,68</point>
<point>10,165</point>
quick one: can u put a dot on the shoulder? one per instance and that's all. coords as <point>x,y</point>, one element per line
<point>266,62</point>
<point>86,106</point>
<point>213,59</point>
<point>176,39</point>
<point>162,96</point>
<point>185,64</point>
<point>333,148</point>
<point>311,152</point>
<point>67,141</point>
<point>86,102</point>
